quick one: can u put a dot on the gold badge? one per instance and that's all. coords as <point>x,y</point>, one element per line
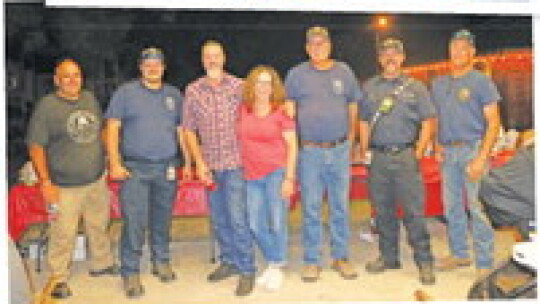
<point>387,104</point>
<point>464,94</point>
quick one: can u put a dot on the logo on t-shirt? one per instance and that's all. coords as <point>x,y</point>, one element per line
<point>464,94</point>
<point>83,126</point>
<point>337,85</point>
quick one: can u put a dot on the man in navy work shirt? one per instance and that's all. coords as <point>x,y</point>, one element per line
<point>324,94</point>
<point>467,105</point>
<point>144,132</point>
<point>397,137</point>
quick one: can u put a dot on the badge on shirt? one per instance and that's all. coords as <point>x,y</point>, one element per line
<point>464,94</point>
<point>387,103</point>
<point>169,103</point>
<point>337,85</point>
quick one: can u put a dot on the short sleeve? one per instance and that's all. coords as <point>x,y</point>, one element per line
<point>117,105</point>
<point>188,116</point>
<point>364,108</point>
<point>487,91</point>
<point>285,122</point>
<point>426,108</point>
<point>38,132</point>
<point>354,93</point>
<point>291,86</point>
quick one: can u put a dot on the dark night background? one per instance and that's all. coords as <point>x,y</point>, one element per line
<point>107,43</point>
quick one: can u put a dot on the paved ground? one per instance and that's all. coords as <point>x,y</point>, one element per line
<point>191,261</point>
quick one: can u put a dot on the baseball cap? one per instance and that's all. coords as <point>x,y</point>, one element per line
<point>391,43</point>
<point>152,53</point>
<point>463,34</point>
<point>317,31</point>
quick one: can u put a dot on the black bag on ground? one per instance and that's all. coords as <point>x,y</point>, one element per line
<point>508,196</point>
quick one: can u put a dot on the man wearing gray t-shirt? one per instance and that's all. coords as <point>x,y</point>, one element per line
<point>64,141</point>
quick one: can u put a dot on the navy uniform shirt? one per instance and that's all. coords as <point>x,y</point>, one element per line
<point>460,105</point>
<point>412,105</point>
<point>322,98</point>
<point>149,120</point>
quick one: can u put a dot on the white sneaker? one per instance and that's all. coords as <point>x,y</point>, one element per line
<point>263,278</point>
<point>274,279</point>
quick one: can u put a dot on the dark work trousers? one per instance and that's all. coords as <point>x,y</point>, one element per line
<point>394,178</point>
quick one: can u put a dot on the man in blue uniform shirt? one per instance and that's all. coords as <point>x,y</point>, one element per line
<point>144,132</point>
<point>467,105</point>
<point>324,93</point>
<point>397,123</point>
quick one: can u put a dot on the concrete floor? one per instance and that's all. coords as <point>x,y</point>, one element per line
<point>191,262</point>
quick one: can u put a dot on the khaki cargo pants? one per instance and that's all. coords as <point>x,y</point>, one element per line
<point>90,201</point>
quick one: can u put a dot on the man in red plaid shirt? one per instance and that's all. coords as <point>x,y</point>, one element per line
<point>210,107</point>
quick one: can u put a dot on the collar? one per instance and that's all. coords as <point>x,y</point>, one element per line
<point>395,81</point>
<point>225,81</point>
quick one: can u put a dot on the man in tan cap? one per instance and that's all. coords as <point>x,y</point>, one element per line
<point>324,92</point>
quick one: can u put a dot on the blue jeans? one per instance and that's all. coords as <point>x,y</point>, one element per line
<point>228,209</point>
<point>456,187</point>
<point>323,169</point>
<point>146,199</point>
<point>268,216</point>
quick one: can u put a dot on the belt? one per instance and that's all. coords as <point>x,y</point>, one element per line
<point>151,161</point>
<point>392,149</point>
<point>458,143</point>
<point>326,144</point>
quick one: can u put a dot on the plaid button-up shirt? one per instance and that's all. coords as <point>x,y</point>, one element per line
<point>212,113</point>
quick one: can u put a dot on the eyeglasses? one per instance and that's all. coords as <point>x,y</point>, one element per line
<point>263,82</point>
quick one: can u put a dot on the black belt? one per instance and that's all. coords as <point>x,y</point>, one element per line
<point>392,148</point>
<point>326,144</point>
<point>150,161</point>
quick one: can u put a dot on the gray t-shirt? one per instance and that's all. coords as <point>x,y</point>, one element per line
<point>70,132</point>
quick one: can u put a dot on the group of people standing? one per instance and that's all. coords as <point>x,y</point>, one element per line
<point>253,139</point>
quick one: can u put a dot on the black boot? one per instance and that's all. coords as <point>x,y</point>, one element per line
<point>61,291</point>
<point>222,272</point>
<point>380,265</point>
<point>427,277</point>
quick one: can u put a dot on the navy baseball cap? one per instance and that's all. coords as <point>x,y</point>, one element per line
<point>152,53</point>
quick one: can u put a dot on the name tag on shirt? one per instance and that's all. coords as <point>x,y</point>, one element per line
<point>338,87</point>
<point>171,173</point>
<point>169,103</point>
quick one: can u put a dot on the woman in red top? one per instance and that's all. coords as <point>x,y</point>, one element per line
<point>268,148</point>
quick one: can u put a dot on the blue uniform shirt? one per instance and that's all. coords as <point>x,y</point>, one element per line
<point>460,105</point>
<point>412,105</point>
<point>149,120</point>
<point>322,98</point>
